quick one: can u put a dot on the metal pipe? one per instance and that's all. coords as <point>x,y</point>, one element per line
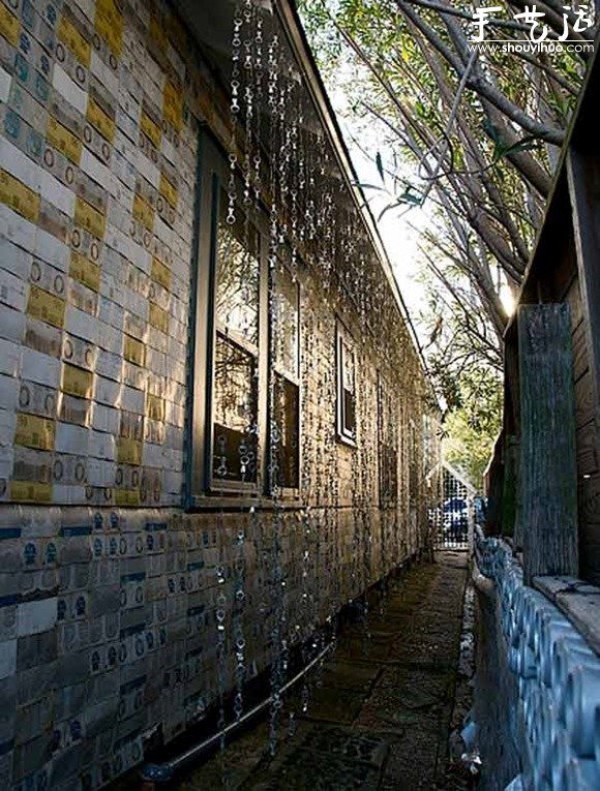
<point>161,773</point>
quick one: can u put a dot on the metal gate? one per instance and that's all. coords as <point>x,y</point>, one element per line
<point>451,521</point>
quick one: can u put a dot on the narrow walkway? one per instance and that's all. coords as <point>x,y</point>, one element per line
<point>379,720</point>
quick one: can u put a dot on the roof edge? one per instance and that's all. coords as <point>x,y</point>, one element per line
<point>292,25</point>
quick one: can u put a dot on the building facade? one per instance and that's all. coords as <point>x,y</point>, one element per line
<point>212,409</point>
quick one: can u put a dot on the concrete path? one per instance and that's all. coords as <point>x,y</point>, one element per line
<point>379,720</point>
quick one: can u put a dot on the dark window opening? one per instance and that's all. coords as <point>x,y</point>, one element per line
<point>388,448</point>
<point>286,447</point>
<point>235,399</point>
<point>285,337</point>
<point>346,361</point>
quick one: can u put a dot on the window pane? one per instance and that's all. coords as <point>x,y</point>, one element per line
<point>285,322</point>
<point>286,444</point>
<point>349,413</point>
<point>348,395</point>
<point>235,395</point>
<point>348,372</point>
<point>237,273</point>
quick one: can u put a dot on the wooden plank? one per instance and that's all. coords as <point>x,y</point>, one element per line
<point>589,502</point>
<point>587,449</point>
<point>583,172</point>
<point>584,400</point>
<point>573,299</point>
<point>580,355</point>
<point>493,518</point>
<point>511,386</point>
<point>579,602</point>
<point>547,470</point>
<point>589,544</point>
<point>559,278</point>
<point>510,525</point>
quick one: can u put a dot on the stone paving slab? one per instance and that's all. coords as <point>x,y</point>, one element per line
<point>356,677</point>
<point>379,715</point>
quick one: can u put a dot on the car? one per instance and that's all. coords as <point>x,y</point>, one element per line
<point>455,519</point>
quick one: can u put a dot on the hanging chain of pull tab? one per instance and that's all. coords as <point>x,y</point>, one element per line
<point>248,70</point>
<point>258,95</point>
<point>279,166</point>
<point>235,84</point>
<point>221,602</point>
<point>238,635</point>
<point>295,156</point>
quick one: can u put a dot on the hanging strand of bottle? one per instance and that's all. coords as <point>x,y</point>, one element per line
<point>276,571</point>
<point>295,233</point>
<point>310,472</point>
<point>249,447</point>
<point>225,610</point>
<point>367,463</point>
<point>221,624</point>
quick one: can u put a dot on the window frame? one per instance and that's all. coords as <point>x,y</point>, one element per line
<point>343,339</point>
<point>282,372</point>
<point>201,484</point>
<point>202,487</point>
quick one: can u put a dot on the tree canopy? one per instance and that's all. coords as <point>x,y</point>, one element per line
<point>472,136</point>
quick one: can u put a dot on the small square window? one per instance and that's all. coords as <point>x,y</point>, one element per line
<point>346,393</point>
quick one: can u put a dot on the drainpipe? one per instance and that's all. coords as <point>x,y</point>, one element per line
<point>153,776</point>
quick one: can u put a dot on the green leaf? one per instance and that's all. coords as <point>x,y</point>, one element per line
<point>379,163</point>
<point>367,186</point>
<point>527,143</point>
<point>492,132</point>
<point>408,197</point>
<point>386,209</point>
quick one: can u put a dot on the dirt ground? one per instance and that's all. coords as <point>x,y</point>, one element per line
<point>381,711</point>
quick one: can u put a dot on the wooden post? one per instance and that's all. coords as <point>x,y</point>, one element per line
<point>510,523</point>
<point>493,517</point>
<point>547,469</point>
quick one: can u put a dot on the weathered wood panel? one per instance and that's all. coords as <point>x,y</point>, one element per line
<point>573,300</point>
<point>583,173</point>
<point>580,355</point>
<point>548,471</point>
<point>584,400</point>
<point>587,449</point>
<point>510,523</point>
<point>589,501</point>
<point>558,281</point>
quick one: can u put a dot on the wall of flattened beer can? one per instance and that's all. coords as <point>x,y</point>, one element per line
<point>97,161</point>
<point>107,588</point>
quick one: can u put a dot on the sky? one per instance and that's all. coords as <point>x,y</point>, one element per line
<point>397,232</point>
